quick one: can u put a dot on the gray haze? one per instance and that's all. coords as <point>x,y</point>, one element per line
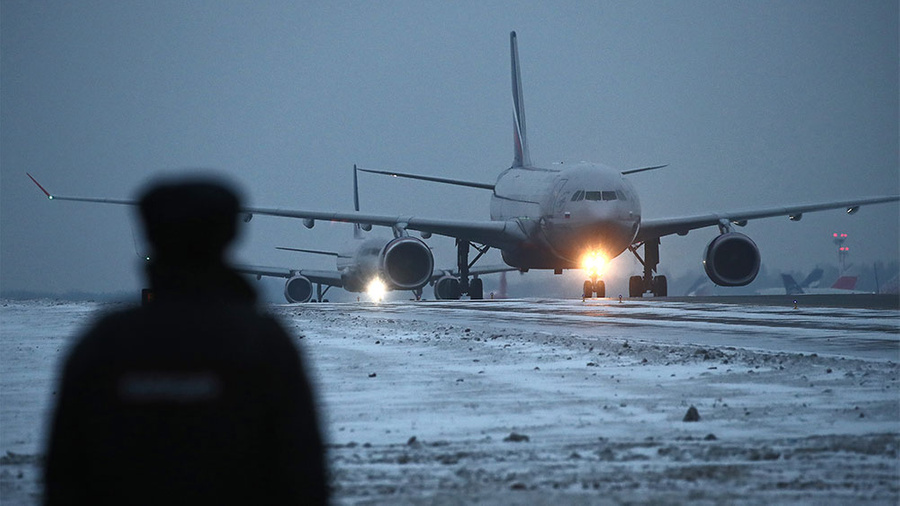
<point>751,103</point>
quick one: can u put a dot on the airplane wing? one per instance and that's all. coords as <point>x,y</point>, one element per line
<point>653,229</point>
<point>330,278</point>
<point>500,234</point>
<point>496,234</point>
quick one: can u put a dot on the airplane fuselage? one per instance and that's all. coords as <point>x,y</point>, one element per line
<point>359,263</point>
<point>402,263</point>
<point>567,212</point>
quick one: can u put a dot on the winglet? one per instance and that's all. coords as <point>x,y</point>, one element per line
<point>521,158</point>
<point>39,186</point>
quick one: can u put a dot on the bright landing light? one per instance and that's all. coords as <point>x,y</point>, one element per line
<point>376,290</point>
<point>593,263</point>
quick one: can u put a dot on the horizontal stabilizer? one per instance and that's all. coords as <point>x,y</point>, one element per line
<point>474,271</point>
<point>642,169</point>
<point>457,182</point>
<point>313,251</point>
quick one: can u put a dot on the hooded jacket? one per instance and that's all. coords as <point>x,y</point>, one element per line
<point>196,398</point>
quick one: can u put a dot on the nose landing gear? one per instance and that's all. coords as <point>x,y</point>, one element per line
<point>592,286</point>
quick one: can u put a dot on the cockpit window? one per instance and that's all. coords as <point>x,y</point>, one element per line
<point>598,195</point>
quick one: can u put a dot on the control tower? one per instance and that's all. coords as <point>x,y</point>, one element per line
<point>843,251</point>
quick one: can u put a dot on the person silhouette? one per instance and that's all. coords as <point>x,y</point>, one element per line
<point>195,397</point>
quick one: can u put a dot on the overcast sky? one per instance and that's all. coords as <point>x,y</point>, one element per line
<point>751,104</point>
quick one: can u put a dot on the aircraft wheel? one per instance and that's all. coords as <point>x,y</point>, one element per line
<point>453,290</point>
<point>600,289</point>
<point>588,291</point>
<point>635,286</point>
<point>660,286</point>
<point>476,289</point>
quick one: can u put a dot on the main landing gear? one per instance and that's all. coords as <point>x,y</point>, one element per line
<point>639,285</point>
<point>321,293</point>
<point>475,287</point>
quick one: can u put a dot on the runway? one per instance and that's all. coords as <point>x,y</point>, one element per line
<point>845,301</point>
<point>748,322</point>
<point>800,403</point>
<point>555,401</point>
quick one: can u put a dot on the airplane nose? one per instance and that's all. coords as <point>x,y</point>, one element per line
<point>595,214</point>
<point>600,227</point>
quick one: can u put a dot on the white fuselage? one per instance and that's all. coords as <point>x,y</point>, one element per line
<point>401,263</point>
<point>359,263</point>
<point>567,212</point>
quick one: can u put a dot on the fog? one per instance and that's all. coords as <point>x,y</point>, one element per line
<point>750,103</point>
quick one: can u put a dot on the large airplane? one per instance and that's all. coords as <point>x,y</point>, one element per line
<point>792,287</point>
<point>366,268</point>
<point>842,286</point>
<point>373,265</point>
<point>573,216</point>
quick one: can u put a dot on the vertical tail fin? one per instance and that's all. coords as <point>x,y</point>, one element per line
<point>845,283</point>
<point>813,277</point>
<point>521,158</point>
<point>357,229</point>
<point>355,189</point>
<point>790,286</point>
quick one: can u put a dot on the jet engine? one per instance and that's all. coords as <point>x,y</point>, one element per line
<point>406,263</point>
<point>298,289</point>
<point>447,288</point>
<point>731,259</point>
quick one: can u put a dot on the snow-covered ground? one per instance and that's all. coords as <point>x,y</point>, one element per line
<point>554,402</point>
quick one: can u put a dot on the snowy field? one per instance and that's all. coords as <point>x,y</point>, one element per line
<point>554,402</point>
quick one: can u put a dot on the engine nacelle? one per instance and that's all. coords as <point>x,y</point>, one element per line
<point>298,289</point>
<point>732,259</point>
<point>406,263</point>
<point>447,288</point>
